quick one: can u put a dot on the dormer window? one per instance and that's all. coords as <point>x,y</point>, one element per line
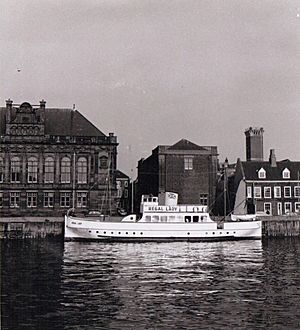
<point>286,174</point>
<point>261,174</point>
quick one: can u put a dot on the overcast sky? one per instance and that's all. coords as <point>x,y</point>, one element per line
<point>154,72</point>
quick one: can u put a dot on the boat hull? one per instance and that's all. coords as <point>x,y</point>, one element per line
<point>81,229</point>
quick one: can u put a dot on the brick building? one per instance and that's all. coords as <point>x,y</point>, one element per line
<point>268,187</point>
<point>53,159</point>
<point>185,168</point>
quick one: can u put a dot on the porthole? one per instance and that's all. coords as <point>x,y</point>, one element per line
<point>188,233</point>
<point>141,233</point>
<point>227,232</point>
<point>89,231</point>
<point>234,232</point>
<point>213,232</point>
<point>126,233</point>
<point>206,233</point>
<point>119,233</point>
<point>133,233</point>
<point>112,232</point>
<point>103,232</point>
<point>220,233</point>
<point>97,231</point>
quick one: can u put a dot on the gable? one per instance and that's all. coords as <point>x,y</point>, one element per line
<point>184,144</point>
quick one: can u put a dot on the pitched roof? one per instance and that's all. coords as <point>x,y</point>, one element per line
<point>184,144</point>
<point>69,122</point>
<point>251,169</point>
<point>121,175</point>
<point>65,122</point>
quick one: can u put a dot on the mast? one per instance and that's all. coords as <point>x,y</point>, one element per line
<point>225,187</point>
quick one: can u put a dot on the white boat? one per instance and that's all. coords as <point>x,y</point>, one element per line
<point>168,222</point>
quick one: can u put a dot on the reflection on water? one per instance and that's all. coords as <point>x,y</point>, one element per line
<point>221,285</point>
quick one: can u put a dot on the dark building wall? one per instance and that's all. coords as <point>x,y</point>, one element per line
<point>165,171</point>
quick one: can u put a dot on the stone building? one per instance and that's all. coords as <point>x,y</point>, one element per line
<point>123,192</point>
<point>266,187</point>
<point>52,160</point>
<point>185,168</point>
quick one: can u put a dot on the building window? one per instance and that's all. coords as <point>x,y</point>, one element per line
<point>14,199</point>
<point>1,169</point>
<point>82,170</point>
<point>279,208</point>
<point>286,174</point>
<point>287,208</point>
<point>297,207</point>
<point>268,208</point>
<point>49,170</point>
<point>126,183</point>
<point>277,192</point>
<point>81,199</point>
<point>65,170</point>
<point>188,163</point>
<point>103,162</point>
<point>32,170</point>
<point>31,199</point>
<point>287,192</point>
<point>65,199</point>
<point>126,193</point>
<point>1,199</point>
<point>267,192</point>
<point>297,191</point>
<point>257,192</point>
<point>203,199</point>
<point>249,192</point>
<point>261,174</point>
<point>48,199</point>
<point>15,170</point>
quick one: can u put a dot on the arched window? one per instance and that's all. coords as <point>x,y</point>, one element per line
<point>65,170</point>
<point>49,170</point>
<point>82,170</point>
<point>32,170</point>
<point>15,169</point>
<point>1,169</point>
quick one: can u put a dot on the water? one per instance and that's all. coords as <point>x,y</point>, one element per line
<point>225,285</point>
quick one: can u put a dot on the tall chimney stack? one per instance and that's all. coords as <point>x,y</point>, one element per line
<point>254,144</point>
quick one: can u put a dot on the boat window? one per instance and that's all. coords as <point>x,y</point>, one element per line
<point>203,218</point>
<point>163,218</point>
<point>195,218</point>
<point>155,218</point>
<point>145,199</point>
<point>148,218</point>
<point>171,218</point>
<point>150,199</point>
<point>187,218</point>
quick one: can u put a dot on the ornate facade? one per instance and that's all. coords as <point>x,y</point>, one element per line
<point>52,160</point>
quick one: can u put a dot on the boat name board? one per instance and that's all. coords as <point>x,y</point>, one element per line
<point>171,208</point>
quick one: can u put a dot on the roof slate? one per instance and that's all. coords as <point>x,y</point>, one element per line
<point>251,169</point>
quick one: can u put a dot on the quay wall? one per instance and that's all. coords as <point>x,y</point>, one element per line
<point>53,227</point>
<point>31,227</point>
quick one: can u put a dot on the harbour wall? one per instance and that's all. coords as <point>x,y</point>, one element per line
<point>53,227</point>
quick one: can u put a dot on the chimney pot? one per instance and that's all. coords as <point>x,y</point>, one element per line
<point>9,103</point>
